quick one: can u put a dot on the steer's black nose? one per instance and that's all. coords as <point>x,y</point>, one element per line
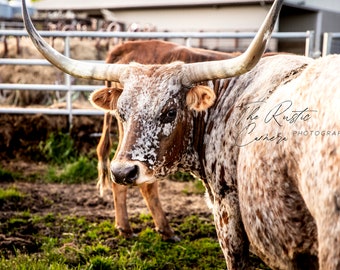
<point>124,174</point>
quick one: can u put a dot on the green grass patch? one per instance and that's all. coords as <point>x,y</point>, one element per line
<point>8,176</point>
<point>83,170</point>
<point>10,194</point>
<point>76,243</point>
<point>194,227</point>
<point>58,149</point>
<point>65,164</point>
<point>197,187</point>
<point>181,177</point>
<point>145,217</point>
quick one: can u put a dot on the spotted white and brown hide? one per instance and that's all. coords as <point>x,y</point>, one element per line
<point>271,188</point>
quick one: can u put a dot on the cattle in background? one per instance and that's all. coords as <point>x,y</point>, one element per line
<point>143,52</point>
<point>266,145</point>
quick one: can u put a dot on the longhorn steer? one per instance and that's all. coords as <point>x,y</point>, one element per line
<point>266,149</point>
<point>143,52</point>
<point>265,144</point>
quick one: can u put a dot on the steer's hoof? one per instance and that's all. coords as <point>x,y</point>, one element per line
<point>169,236</point>
<point>126,233</point>
<point>173,239</point>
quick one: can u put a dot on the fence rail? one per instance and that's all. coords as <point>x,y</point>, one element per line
<point>155,35</point>
<point>69,88</point>
<point>328,39</point>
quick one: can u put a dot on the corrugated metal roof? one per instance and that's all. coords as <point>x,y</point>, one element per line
<point>129,4</point>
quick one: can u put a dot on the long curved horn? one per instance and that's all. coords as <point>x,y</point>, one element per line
<point>109,72</point>
<point>202,71</point>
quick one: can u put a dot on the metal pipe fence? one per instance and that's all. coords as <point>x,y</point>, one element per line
<point>69,88</point>
<point>331,43</point>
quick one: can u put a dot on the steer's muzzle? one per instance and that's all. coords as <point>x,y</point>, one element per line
<point>124,173</point>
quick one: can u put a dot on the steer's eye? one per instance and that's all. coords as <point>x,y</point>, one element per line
<point>169,116</point>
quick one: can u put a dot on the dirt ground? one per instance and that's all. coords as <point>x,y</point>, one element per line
<point>83,200</point>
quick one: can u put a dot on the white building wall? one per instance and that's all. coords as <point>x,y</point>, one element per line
<point>206,19</point>
<point>330,5</point>
<point>198,19</point>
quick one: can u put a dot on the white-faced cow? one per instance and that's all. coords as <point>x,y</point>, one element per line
<point>264,142</point>
<point>143,52</point>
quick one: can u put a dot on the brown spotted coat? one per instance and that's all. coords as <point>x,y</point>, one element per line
<point>271,176</point>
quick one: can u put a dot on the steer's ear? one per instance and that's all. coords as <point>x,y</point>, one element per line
<point>106,98</point>
<point>200,98</point>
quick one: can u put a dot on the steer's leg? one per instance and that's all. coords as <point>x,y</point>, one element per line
<point>329,239</point>
<point>326,211</point>
<point>151,196</point>
<point>230,232</point>
<point>320,188</point>
<point>122,219</point>
<point>104,178</point>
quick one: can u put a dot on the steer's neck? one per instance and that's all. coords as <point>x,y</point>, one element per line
<point>202,123</point>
